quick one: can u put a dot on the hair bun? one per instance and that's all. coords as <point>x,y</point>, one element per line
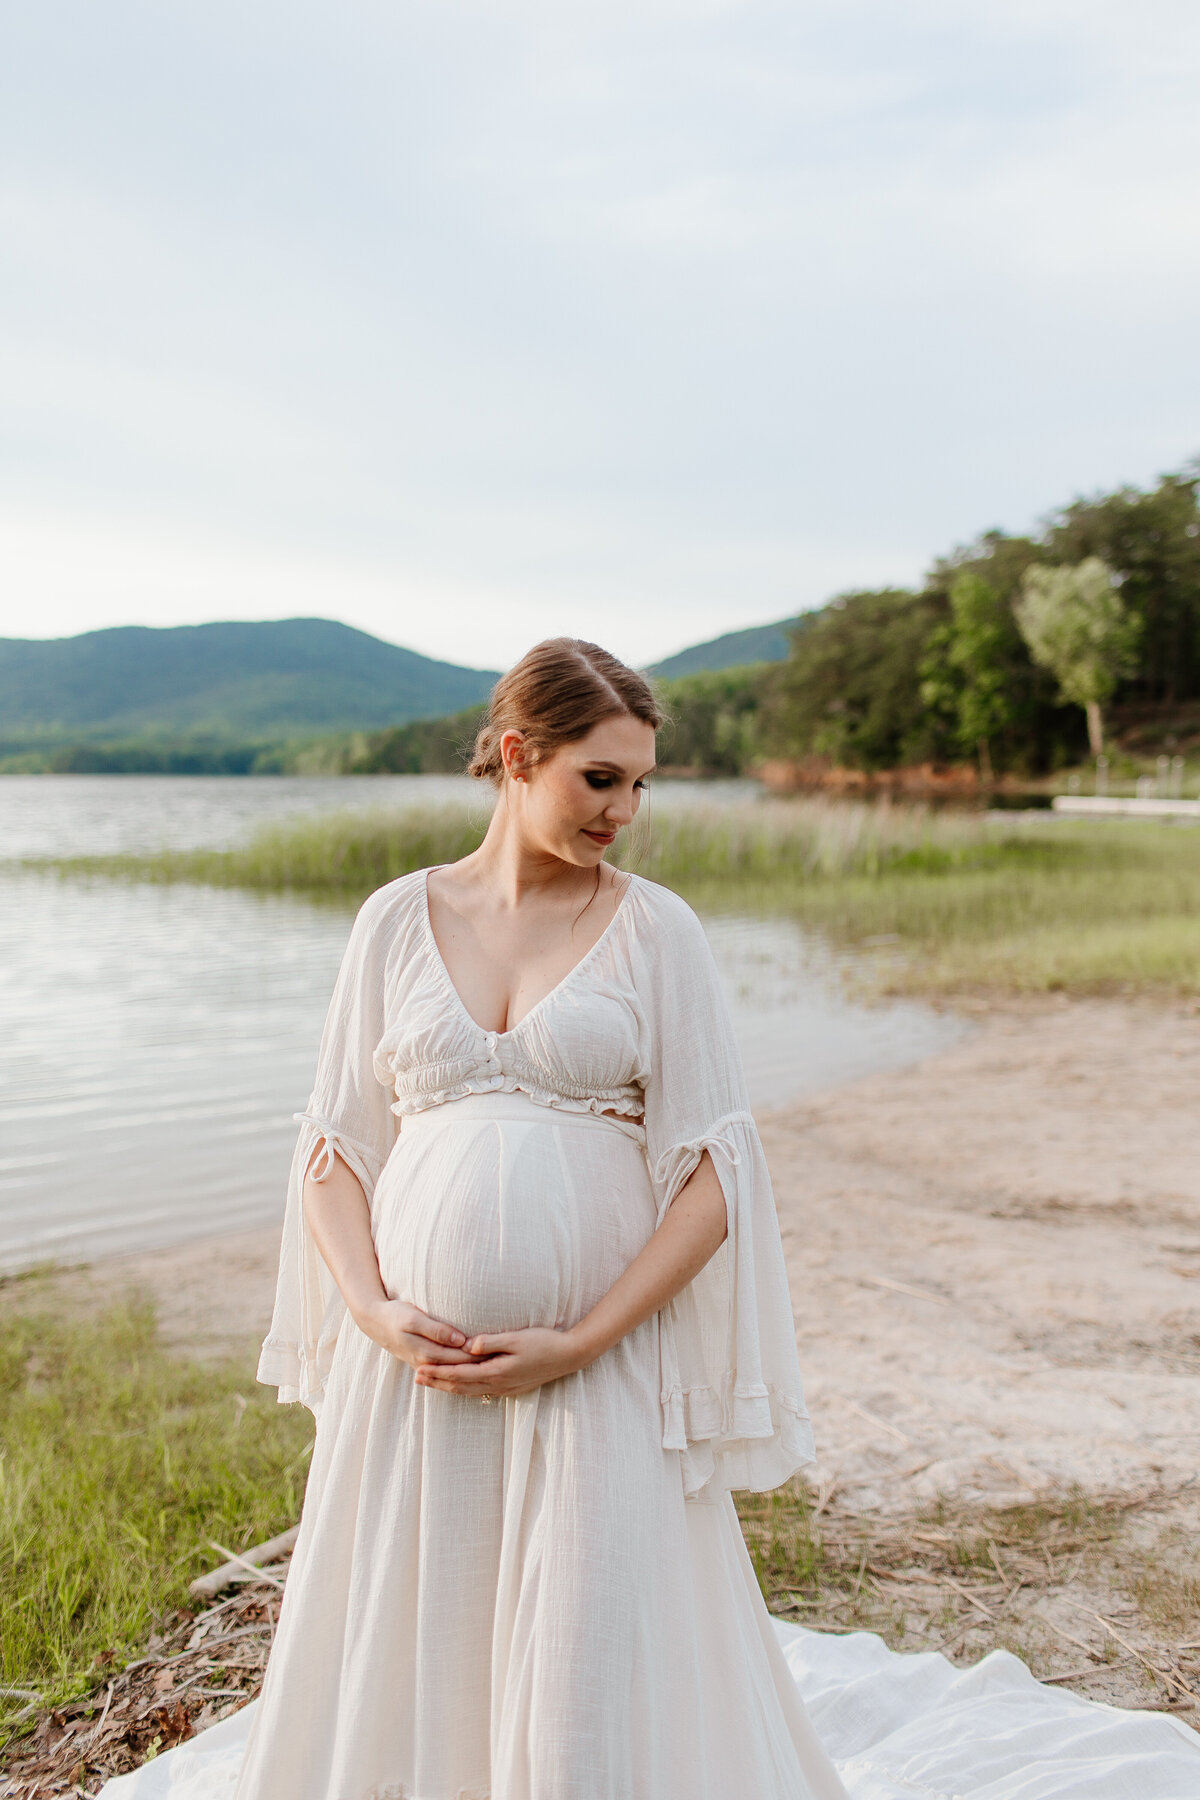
<point>558,692</point>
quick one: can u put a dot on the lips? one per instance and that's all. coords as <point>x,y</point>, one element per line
<point>600,837</point>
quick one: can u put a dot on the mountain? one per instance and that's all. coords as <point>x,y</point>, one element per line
<point>757,643</point>
<point>275,679</point>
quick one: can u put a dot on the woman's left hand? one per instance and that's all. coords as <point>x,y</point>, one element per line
<point>510,1362</point>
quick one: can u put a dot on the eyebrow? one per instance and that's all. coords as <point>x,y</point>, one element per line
<point>617,769</point>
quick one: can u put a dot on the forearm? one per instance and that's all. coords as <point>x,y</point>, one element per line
<point>691,1233</point>
<point>340,1220</point>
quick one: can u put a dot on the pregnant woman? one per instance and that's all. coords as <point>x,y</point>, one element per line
<point>532,1285</point>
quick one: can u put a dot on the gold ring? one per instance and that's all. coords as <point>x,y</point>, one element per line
<point>487,1399</point>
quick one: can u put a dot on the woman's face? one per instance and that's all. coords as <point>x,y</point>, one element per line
<point>572,804</point>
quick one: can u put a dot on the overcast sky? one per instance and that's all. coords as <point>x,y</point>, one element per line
<point>469,323</point>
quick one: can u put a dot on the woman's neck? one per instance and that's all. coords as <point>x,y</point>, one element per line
<point>513,869</point>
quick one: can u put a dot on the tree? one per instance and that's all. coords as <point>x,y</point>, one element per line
<point>422,747</point>
<point>964,673</point>
<point>1038,731</point>
<point>1152,540</point>
<point>1077,626</point>
<point>712,716</point>
<point>849,690</point>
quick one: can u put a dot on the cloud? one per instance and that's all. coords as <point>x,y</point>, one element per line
<point>678,315</point>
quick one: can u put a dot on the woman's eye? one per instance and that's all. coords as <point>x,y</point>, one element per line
<point>595,779</point>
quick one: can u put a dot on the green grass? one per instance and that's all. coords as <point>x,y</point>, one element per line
<point>946,903</point>
<point>1060,907</point>
<point>118,1464</point>
<point>1023,903</point>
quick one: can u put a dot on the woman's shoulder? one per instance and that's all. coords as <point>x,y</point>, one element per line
<point>664,916</point>
<point>392,906</point>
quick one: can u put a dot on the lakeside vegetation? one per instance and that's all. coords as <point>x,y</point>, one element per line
<point>119,1463</point>
<point>932,901</point>
<point>965,1579</point>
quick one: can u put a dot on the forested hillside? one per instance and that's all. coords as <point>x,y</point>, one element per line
<point>948,673</point>
<point>732,650</point>
<point>225,682</point>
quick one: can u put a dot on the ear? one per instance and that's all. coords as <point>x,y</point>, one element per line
<point>512,754</point>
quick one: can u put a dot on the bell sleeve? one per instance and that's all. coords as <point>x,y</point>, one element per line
<point>732,1399</point>
<point>349,1114</point>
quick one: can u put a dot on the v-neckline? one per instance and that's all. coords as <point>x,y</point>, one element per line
<point>440,961</point>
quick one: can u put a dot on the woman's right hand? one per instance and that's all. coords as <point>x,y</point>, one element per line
<point>411,1334</point>
<point>339,1216</point>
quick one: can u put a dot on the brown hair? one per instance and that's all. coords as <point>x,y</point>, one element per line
<point>555,695</point>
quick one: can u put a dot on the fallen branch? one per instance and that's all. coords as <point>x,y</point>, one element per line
<point>1166,1675</point>
<point>903,1287</point>
<point>1080,1674</point>
<point>874,1419</point>
<point>1067,1638</point>
<point>220,1578</point>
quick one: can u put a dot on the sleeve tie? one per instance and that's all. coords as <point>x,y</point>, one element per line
<point>330,1140</point>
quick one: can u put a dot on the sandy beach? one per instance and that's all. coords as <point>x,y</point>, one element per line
<point>1039,1186</point>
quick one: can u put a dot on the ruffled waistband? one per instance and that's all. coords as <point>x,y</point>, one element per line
<point>470,1109</point>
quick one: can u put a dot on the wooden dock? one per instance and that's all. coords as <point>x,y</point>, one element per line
<point>1091,806</point>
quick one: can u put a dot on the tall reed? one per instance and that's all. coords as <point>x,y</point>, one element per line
<point>353,853</point>
<point>806,840</point>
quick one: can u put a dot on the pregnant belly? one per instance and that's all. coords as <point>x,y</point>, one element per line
<point>497,1224</point>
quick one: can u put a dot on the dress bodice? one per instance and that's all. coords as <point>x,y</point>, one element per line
<point>581,1048</point>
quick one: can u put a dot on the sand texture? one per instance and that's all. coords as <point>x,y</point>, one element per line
<point>1040,1183</point>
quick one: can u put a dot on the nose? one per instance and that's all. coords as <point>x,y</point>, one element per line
<point>620,808</point>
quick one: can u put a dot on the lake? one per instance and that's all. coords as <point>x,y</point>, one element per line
<point>157,1040</point>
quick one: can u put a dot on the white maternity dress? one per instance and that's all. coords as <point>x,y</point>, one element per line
<point>547,1598</point>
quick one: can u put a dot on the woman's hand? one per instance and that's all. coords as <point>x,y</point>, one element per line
<point>506,1362</point>
<point>411,1334</point>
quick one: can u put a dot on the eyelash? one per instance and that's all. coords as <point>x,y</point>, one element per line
<point>606,781</point>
